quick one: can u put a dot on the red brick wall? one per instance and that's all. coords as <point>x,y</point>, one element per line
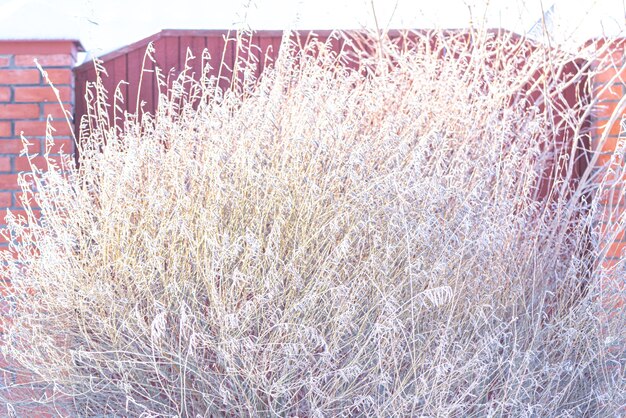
<point>26,100</point>
<point>608,140</point>
<point>25,103</point>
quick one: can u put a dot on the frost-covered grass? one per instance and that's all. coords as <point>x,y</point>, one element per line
<point>324,242</point>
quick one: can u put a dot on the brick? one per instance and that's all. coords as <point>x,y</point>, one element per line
<point>609,263</point>
<point>608,158</point>
<point>5,129</point>
<point>613,180</point>
<point>15,146</point>
<point>617,233</point>
<point>608,146</point>
<point>8,182</point>
<point>19,111</point>
<point>602,125</point>
<point>53,60</point>
<point>615,92</point>
<point>612,196</point>
<point>22,164</point>
<point>20,203</point>
<point>38,128</point>
<point>604,158</point>
<point>610,216</point>
<point>610,53</point>
<point>606,75</point>
<point>5,199</point>
<point>5,163</point>
<point>55,110</point>
<point>18,213</point>
<point>5,60</point>
<point>10,146</point>
<point>64,145</point>
<point>19,76</point>
<point>610,231</point>
<point>5,94</point>
<point>59,76</point>
<point>41,94</point>
<point>604,111</point>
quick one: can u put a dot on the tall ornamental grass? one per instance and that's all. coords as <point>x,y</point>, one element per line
<point>392,230</point>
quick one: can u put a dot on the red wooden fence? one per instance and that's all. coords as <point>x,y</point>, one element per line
<point>171,52</point>
<point>171,47</point>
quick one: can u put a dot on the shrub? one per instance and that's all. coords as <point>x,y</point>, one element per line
<point>400,237</point>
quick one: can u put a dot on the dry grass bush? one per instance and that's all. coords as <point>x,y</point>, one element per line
<point>324,241</point>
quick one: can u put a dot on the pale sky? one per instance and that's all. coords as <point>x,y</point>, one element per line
<point>104,25</point>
